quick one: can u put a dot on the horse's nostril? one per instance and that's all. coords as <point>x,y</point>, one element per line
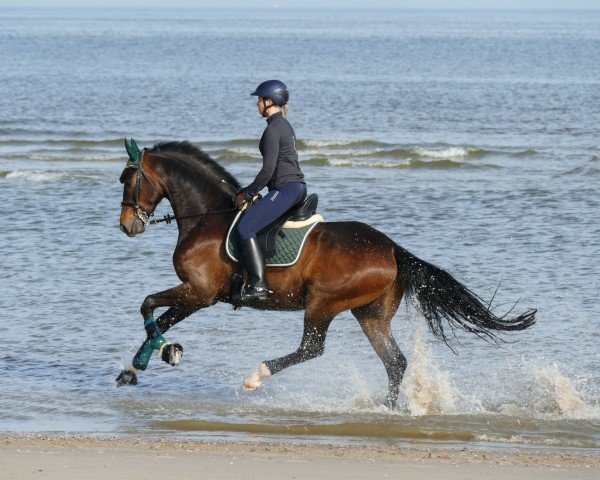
<point>123,229</point>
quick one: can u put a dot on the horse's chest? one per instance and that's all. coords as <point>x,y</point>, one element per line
<point>194,264</point>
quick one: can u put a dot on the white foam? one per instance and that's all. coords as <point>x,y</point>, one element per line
<point>450,152</point>
<point>551,442</point>
<point>245,151</point>
<point>327,143</point>
<point>348,152</point>
<point>86,158</point>
<point>346,162</point>
<point>36,175</point>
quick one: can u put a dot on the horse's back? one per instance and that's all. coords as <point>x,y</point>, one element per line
<point>351,236</point>
<point>350,260</point>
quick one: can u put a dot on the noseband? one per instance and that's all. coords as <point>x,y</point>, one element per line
<point>141,212</point>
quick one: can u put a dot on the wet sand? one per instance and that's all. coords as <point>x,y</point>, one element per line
<point>75,457</point>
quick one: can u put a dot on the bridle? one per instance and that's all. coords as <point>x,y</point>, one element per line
<point>142,212</point>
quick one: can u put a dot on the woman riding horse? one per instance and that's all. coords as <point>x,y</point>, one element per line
<point>343,265</point>
<point>280,173</point>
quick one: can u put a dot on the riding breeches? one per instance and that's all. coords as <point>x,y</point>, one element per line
<point>269,208</point>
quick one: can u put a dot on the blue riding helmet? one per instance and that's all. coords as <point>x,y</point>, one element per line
<point>273,89</point>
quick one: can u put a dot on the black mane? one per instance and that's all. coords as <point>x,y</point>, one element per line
<point>188,150</point>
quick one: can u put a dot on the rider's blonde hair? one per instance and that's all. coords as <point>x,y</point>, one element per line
<point>285,110</point>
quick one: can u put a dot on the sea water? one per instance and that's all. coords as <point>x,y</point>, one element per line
<point>469,138</point>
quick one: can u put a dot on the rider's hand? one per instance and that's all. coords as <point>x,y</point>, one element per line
<point>239,200</point>
<point>242,196</point>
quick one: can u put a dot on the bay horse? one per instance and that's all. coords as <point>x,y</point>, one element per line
<point>344,266</point>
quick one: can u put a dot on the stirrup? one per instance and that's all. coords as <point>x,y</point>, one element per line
<point>254,293</point>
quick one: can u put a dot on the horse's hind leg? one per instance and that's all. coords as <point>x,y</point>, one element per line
<point>316,324</point>
<point>375,320</point>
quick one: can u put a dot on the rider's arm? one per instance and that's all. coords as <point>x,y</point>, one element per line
<point>270,152</point>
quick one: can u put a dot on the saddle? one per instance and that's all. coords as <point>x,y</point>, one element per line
<point>299,213</point>
<point>281,241</point>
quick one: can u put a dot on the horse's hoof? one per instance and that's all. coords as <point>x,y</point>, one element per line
<point>127,377</point>
<point>250,385</point>
<point>391,403</point>
<point>172,354</point>
<point>255,379</point>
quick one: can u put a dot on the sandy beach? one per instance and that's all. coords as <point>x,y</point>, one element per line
<point>73,457</point>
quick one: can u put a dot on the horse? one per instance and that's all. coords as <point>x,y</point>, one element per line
<point>344,266</point>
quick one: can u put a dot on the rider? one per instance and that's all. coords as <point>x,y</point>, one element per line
<point>280,173</point>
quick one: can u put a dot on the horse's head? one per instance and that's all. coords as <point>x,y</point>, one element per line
<point>141,194</point>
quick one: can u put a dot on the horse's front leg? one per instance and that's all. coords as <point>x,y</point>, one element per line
<point>183,301</point>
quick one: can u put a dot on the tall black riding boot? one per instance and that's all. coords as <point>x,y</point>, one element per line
<point>255,266</point>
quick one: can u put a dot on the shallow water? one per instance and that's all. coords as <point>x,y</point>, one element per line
<point>470,139</point>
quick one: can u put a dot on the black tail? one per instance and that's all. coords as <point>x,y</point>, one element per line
<point>440,296</point>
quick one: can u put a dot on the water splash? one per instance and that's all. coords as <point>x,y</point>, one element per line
<point>557,393</point>
<point>428,388</point>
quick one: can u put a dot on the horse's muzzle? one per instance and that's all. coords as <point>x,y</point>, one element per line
<point>136,228</point>
<point>125,231</point>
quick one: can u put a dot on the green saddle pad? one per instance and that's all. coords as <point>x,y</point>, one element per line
<point>288,248</point>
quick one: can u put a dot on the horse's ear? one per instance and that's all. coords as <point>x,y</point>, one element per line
<point>134,153</point>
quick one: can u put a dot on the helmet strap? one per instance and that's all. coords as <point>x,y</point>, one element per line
<point>265,107</point>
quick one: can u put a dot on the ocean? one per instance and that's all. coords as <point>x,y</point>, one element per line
<point>470,138</point>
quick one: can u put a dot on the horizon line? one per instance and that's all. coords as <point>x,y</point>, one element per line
<point>230,7</point>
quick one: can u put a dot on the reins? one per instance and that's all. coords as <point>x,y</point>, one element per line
<point>169,218</point>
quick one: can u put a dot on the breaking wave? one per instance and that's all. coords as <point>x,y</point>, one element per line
<point>406,163</point>
<point>332,153</point>
<point>450,152</point>
<point>35,175</point>
<point>329,143</point>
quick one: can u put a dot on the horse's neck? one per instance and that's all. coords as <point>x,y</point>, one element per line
<point>190,199</point>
